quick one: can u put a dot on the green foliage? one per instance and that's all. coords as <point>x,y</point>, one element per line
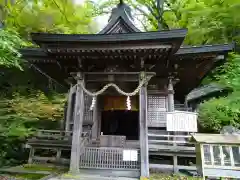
<point>228,73</point>
<point>207,21</point>
<point>158,176</point>
<point>213,21</point>
<point>10,42</point>
<point>20,116</point>
<point>56,16</point>
<point>18,113</point>
<point>216,113</point>
<point>26,99</point>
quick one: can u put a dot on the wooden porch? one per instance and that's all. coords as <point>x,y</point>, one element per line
<point>165,145</point>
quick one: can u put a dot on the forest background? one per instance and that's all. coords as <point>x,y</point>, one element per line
<point>31,100</point>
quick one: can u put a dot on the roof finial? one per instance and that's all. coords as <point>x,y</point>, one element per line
<point>121,2</point>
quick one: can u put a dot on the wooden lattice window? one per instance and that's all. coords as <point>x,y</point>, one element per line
<point>156,111</point>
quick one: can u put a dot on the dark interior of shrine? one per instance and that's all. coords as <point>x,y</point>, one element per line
<point>120,122</point>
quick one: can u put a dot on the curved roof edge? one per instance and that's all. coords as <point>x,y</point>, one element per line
<point>205,90</point>
<point>205,49</point>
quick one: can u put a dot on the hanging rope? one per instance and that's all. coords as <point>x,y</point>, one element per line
<point>145,80</point>
<point>43,73</point>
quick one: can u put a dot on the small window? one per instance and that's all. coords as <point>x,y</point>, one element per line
<point>216,155</point>
<point>236,156</point>
<point>207,155</point>
<point>226,155</point>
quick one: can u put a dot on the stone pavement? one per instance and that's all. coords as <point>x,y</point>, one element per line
<point>89,177</point>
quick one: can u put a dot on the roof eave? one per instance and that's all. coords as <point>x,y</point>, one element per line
<point>178,34</point>
<point>222,48</point>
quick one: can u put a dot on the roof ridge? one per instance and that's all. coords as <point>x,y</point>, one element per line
<point>122,11</point>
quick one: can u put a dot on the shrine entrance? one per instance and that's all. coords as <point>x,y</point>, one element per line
<point>120,117</point>
<point>121,122</point>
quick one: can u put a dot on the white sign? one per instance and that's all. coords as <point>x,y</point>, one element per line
<point>130,155</point>
<point>182,121</point>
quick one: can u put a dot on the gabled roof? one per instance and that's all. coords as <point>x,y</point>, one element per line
<point>120,21</point>
<point>121,43</point>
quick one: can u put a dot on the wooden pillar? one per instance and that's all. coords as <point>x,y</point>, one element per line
<point>171,109</point>
<point>77,127</point>
<point>95,121</point>
<point>69,108</point>
<point>170,96</point>
<point>143,131</point>
<point>31,155</point>
<point>58,156</point>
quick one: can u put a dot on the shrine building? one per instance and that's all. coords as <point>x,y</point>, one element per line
<point>127,90</point>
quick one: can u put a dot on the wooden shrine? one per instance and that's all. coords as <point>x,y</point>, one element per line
<point>218,155</point>
<point>151,71</point>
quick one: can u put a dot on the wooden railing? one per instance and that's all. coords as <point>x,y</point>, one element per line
<point>170,144</point>
<point>108,158</point>
<point>182,107</point>
<point>53,134</point>
<point>55,137</point>
<point>170,139</point>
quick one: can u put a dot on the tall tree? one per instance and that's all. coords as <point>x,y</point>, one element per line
<point>207,21</point>
<point>60,16</point>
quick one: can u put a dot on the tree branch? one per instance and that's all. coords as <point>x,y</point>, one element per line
<point>61,11</point>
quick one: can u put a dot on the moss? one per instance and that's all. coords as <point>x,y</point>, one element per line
<point>22,176</point>
<point>39,167</point>
<point>24,171</point>
<point>29,176</point>
<point>170,177</point>
<point>70,176</point>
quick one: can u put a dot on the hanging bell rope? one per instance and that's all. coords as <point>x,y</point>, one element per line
<point>94,94</point>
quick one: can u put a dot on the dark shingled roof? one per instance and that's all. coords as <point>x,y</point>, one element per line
<point>120,37</point>
<point>205,49</point>
<point>204,91</point>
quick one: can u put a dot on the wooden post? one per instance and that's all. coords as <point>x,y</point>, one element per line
<point>95,121</point>
<point>77,127</point>
<point>171,109</point>
<point>31,155</point>
<point>170,96</point>
<point>143,131</point>
<point>69,108</point>
<point>58,156</point>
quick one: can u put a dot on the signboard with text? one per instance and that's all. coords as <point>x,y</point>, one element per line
<point>181,121</point>
<point>130,155</point>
